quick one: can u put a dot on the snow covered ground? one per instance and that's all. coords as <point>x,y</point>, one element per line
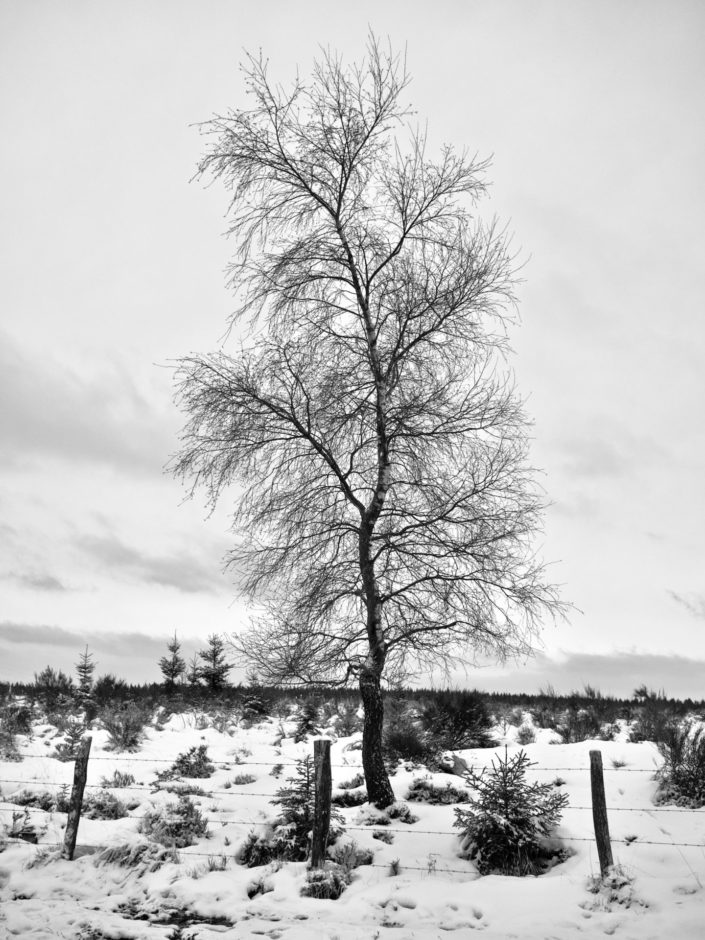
<point>435,894</point>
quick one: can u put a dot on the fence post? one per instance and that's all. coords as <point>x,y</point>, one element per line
<point>80,772</point>
<point>324,789</point>
<point>599,812</point>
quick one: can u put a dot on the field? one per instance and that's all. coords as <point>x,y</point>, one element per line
<point>123,883</point>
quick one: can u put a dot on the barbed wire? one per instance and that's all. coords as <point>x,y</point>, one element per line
<point>244,794</point>
<point>632,842</point>
<point>250,794</point>
<point>237,762</point>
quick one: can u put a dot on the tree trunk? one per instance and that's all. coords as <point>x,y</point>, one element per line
<point>379,789</point>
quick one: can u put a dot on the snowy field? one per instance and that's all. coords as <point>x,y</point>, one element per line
<point>436,893</point>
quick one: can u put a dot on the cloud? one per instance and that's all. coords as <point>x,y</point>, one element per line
<point>37,582</point>
<point>617,673</point>
<point>48,410</point>
<point>693,603</point>
<point>38,634</point>
<point>607,449</point>
<point>180,571</point>
<point>26,648</point>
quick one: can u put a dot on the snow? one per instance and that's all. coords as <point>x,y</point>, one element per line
<point>436,893</point>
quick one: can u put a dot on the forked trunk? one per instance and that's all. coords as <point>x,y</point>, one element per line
<point>379,789</point>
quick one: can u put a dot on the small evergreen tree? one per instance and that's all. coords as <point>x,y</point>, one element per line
<point>308,720</point>
<point>193,676</point>
<point>173,667</point>
<point>54,689</point>
<point>215,667</point>
<point>505,828</point>
<point>85,667</point>
<point>290,838</point>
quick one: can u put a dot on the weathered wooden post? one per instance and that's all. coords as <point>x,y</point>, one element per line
<point>80,772</point>
<point>599,812</point>
<point>321,813</point>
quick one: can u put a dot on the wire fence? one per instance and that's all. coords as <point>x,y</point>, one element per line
<point>216,814</point>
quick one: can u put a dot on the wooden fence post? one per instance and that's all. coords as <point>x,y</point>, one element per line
<point>324,789</point>
<point>80,772</point>
<point>599,812</point>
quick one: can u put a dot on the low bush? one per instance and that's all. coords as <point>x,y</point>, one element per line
<point>349,798</point>
<point>67,750</point>
<point>382,836</point>
<point>357,781</point>
<point>42,799</point>
<point>307,722</point>
<point>118,780</point>
<point>241,780</point>
<point>424,790</point>
<point>349,855</point>
<point>140,857</point>
<point>288,837</point>
<point>654,716</point>
<point>54,690</point>
<point>347,719</point>
<point>682,777</point>
<point>176,824</point>
<point>104,805</point>
<point>526,735</point>
<point>194,763</point>
<point>125,725</point>
<point>406,742</point>
<point>401,812</point>
<point>259,885</point>
<point>325,883</point>
<point>8,746</point>
<point>578,724</point>
<point>505,829</point>
<point>15,717</point>
<point>458,720</point>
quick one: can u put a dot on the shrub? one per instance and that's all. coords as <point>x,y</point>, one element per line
<point>401,812</point>
<point>193,763</point>
<point>505,829</point>
<point>526,735</point>
<point>307,722</point>
<point>357,781</point>
<point>141,857</point>
<point>349,855</point>
<point>424,791</point>
<point>15,718</point>
<point>125,726</point>
<point>118,780</point>
<point>405,742</point>
<point>288,837</point>
<point>8,746</point>
<point>176,824</point>
<point>103,805</point>
<point>73,735</point>
<point>382,836</point>
<point>349,798</point>
<point>458,720</point>
<point>325,883</point>
<point>655,717</point>
<point>259,885</point>
<point>53,690</point>
<point>347,719</point>
<point>108,690</point>
<point>43,799</point>
<point>578,724</point>
<point>243,779</point>
<point>682,777</point>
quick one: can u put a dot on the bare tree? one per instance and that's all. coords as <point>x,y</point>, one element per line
<point>386,506</point>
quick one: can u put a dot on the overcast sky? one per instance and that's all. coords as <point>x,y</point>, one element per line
<point>112,266</point>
